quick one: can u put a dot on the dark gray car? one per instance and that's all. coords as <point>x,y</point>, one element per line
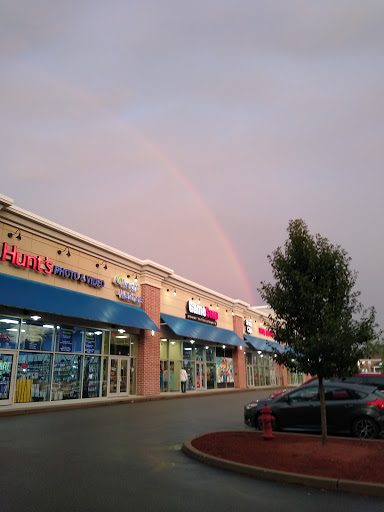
<point>351,409</point>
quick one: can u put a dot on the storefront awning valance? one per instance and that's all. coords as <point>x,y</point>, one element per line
<point>200,331</point>
<point>264,345</point>
<point>39,297</point>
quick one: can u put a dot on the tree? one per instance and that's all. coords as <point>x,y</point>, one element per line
<point>317,313</point>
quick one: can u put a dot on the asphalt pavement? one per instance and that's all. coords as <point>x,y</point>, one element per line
<point>128,457</point>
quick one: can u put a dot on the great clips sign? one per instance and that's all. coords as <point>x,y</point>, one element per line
<point>201,313</point>
<point>45,265</point>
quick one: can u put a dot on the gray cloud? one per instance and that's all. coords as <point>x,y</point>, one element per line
<point>237,117</point>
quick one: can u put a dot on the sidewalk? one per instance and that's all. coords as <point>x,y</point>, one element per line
<point>43,407</point>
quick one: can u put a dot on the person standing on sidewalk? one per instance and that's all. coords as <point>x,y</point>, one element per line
<point>183,380</point>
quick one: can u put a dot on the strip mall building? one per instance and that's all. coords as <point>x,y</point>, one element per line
<point>81,321</point>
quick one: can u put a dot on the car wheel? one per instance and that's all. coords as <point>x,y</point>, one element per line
<point>365,428</point>
<point>259,424</point>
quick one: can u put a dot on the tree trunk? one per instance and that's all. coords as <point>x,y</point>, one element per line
<point>323,412</point>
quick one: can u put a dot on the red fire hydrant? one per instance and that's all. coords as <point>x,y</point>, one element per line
<point>267,419</point>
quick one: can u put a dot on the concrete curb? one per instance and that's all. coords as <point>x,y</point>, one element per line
<point>329,484</point>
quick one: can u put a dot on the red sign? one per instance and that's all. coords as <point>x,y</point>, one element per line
<point>25,260</point>
<point>265,332</point>
<point>24,366</point>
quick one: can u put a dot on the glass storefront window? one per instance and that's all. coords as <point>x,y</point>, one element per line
<point>210,354</point>
<point>190,369</point>
<point>6,361</point>
<point>211,375</point>
<point>67,372</point>
<point>248,357</point>
<point>91,378</point>
<point>120,343</point>
<point>224,372</point>
<point>188,350</point>
<point>93,341</point>
<point>33,377</point>
<point>69,338</point>
<point>164,376</point>
<point>9,332</point>
<point>199,352</point>
<point>34,336</point>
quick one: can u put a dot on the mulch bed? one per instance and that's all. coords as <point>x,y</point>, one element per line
<point>340,458</point>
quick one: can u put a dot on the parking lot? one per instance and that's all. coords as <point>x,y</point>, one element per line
<point>128,456</point>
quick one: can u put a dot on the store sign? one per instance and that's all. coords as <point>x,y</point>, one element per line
<point>127,290</point>
<point>265,332</point>
<point>201,313</point>
<point>39,263</point>
<point>75,276</point>
<point>248,326</point>
<point>45,265</point>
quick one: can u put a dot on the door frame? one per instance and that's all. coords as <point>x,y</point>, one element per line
<point>13,353</point>
<point>203,371</point>
<point>119,359</point>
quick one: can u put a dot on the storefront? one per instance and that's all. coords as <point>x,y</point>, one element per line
<point>82,321</point>
<point>260,361</point>
<point>57,344</point>
<point>204,350</point>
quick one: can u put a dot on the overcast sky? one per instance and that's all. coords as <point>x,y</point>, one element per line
<point>191,132</point>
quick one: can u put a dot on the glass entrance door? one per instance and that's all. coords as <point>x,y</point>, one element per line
<point>7,363</point>
<point>119,375</point>
<point>200,376</point>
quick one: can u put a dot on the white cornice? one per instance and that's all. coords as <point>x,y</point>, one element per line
<point>5,202</point>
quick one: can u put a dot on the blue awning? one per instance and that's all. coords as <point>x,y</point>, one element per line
<point>256,343</point>
<point>273,346</point>
<point>39,297</point>
<point>264,345</point>
<point>200,331</point>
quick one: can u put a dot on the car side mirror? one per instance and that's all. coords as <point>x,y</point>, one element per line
<point>286,398</point>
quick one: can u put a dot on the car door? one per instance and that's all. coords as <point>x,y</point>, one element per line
<point>299,409</point>
<point>340,403</point>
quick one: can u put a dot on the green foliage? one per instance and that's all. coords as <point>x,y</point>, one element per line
<point>317,312</point>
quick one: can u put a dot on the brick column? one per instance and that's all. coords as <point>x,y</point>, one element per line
<point>148,350</point>
<point>238,355</point>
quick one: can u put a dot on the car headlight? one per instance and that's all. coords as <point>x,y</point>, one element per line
<point>250,406</point>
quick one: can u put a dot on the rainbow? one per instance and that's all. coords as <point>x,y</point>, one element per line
<point>93,101</point>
